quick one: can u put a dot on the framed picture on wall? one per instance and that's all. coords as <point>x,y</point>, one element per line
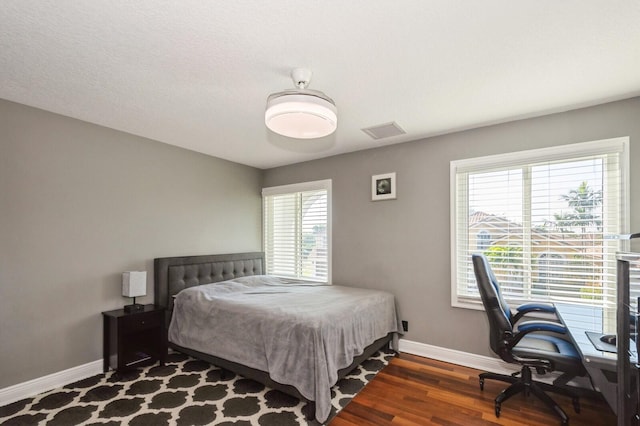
<point>383,187</point>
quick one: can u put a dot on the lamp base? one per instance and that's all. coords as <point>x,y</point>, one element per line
<point>135,307</point>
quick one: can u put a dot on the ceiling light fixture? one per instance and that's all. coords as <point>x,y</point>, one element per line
<point>301,113</point>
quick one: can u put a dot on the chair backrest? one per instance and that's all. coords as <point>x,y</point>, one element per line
<point>496,286</point>
<point>499,323</point>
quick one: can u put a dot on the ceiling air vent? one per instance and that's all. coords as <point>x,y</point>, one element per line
<point>386,130</point>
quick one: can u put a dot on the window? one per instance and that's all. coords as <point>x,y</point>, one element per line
<point>297,230</point>
<point>541,217</point>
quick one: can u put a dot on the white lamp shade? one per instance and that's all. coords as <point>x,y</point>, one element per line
<point>134,283</point>
<point>301,116</point>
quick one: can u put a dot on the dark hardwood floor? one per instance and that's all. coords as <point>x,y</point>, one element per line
<point>413,390</point>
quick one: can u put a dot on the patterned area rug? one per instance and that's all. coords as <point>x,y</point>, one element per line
<point>183,392</point>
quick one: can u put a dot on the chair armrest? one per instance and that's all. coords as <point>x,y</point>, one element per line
<point>537,307</point>
<point>522,310</point>
<point>553,327</point>
<point>527,327</point>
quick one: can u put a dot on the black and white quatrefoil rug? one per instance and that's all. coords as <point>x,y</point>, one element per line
<point>183,392</point>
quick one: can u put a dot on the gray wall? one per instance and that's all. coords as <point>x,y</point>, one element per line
<point>403,245</point>
<point>80,204</point>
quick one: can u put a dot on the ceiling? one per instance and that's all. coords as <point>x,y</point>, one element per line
<point>197,73</point>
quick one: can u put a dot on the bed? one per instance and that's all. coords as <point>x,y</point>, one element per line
<point>298,338</point>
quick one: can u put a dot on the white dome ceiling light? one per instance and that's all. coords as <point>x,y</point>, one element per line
<point>301,113</point>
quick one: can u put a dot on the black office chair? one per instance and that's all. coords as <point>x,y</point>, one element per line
<point>527,346</point>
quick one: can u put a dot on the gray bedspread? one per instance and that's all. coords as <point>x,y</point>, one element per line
<point>301,334</point>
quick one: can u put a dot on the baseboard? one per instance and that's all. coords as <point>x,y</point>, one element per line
<point>43,384</point>
<point>466,359</point>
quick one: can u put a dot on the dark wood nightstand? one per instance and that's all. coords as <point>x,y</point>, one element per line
<point>133,339</point>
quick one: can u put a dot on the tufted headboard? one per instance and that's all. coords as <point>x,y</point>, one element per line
<point>173,274</point>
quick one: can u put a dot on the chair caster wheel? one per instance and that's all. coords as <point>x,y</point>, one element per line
<point>481,384</point>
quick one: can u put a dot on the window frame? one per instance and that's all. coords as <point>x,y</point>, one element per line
<point>318,185</point>
<point>568,152</point>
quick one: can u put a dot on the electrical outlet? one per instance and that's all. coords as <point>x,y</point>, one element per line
<point>405,325</point>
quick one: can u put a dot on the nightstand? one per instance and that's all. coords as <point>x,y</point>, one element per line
<point>133,339</point>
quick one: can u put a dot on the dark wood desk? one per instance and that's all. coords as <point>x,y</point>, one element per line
<point>600,365</point>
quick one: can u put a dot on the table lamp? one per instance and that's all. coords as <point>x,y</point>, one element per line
<point>134,284</point>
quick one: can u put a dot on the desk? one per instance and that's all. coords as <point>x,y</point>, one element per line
<point>600,365</point>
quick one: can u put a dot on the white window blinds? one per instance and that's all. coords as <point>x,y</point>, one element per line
<point>541,218</point>
<point>297,231</point>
